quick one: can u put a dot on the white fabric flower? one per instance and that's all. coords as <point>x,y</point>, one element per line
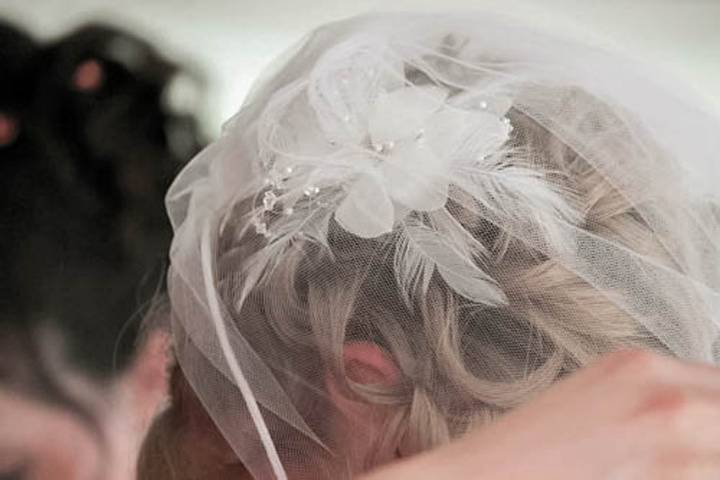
<point>419,138</point>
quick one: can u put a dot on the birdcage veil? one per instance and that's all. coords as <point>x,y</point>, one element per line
<point>491,205</point>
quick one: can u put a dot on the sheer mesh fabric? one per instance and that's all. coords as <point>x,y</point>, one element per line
<point>580,215</point>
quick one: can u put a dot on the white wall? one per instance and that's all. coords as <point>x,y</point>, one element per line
<point>233,39</point>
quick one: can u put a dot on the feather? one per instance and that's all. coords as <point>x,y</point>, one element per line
<point>307,221</point>
<point>257,267</point>
<point>421,251</point>
<point>522,202</point>
<point>462,240</point>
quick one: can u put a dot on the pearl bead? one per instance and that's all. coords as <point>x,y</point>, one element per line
<point>383,147</point>
<point>311,191</point>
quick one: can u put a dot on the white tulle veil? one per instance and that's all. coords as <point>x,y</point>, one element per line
<point>395,145</point>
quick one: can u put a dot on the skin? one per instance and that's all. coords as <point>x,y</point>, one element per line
<point>633,415</point>
<point>44,442</point>
<point>184,443</point>
<point>41,441</point>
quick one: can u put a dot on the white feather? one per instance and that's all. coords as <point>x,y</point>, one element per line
<point>312,224</point>
<point>522,202</point>
<point>421,251</point>
<point>462,241</point>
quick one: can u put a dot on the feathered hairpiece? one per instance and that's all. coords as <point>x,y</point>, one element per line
<point>383,128</point>
<point>361,141</point>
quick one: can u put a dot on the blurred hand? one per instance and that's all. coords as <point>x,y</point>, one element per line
<point>40,441</point>
<point>633,415</point>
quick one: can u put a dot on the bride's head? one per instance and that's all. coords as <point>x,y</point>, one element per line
<point>414,225</point>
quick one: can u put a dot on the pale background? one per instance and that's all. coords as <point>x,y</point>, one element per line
<point>231,40</point>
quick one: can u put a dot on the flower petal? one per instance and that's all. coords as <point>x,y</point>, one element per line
<point>487,99</point>
<point>452,131</point>
<point>401,113</point>
<point>367,210</point>
<point>343,87</point>
<point>416,177</point>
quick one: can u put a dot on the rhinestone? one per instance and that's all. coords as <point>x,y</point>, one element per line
<point>269,200</point>
<point>484,105</point>
<point>289,211</point>
<point>261,228</point>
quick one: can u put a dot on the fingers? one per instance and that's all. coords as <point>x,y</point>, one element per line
<point>674,407</point>
<point>637,386</point>
<point>633,372</point>
<point>681,420</point>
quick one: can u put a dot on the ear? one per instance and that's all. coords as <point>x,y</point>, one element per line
<point>366,363</point>
<point>361,424</point>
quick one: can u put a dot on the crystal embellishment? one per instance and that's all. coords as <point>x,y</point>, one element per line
<point>269,201</point>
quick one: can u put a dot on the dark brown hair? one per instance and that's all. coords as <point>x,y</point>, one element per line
<point>183,442</point>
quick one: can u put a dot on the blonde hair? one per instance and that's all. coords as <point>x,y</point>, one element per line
<point>558,323</point>
<point>320,306</point>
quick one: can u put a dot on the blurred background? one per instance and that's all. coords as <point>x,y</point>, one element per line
<point>231,40</point>
<point>101,104</point>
